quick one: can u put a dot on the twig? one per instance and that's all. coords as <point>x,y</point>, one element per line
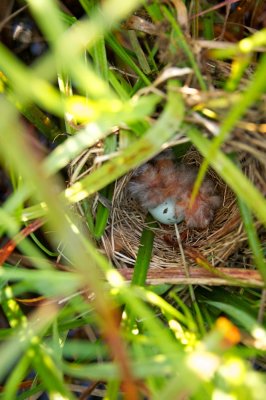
<point>200,276</point>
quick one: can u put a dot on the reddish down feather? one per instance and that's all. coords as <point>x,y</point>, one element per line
<point>161,179</point>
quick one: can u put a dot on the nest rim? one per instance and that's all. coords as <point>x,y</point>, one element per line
<point>216,243</point>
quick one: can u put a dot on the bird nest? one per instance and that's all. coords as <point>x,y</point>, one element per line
<point>223,239</point>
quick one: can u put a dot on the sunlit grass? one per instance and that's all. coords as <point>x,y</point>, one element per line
<point>90,91</point>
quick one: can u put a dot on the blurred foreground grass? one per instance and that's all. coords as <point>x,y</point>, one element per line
<point>88,324</point>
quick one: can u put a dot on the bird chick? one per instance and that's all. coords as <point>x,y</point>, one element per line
<point>154,182</point>
<point>200,212</point>
<point>161,182</point>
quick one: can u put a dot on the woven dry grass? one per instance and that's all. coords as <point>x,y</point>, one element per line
<point>216,244</point>
<point>224,242</point>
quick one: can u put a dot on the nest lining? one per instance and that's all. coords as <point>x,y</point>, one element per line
<point>223,243</point>
<point>224,236</point>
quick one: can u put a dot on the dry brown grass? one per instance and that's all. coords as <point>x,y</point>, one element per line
<point>224,238</point>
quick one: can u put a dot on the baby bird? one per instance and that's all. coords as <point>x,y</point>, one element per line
<point>164,189</point>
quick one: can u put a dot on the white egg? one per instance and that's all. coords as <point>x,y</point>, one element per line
<point>166,212</point>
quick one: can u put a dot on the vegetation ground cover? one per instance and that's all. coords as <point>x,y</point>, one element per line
<point>97,298</point>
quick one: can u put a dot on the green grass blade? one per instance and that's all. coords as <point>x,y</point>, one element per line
<point>239,66</point>
<point>256,87</point>
<point>11,226</point>
<point>142,262</point>
<point>51,23</point>
<point>38,118</point>
<point>16,376</point>
<point>29,86</point>
<point>98,51</point>
<point>253,239</point>
<point>144,254</point>
<point>47,282</point>
<point>183,43</point>
<point>95,131</point>
<point>244,319</point>
<point>50,374</point>
<point>119,84</point>
<point>139,52</point>
<point>65,87</point>
<point>43,248</point>
<point>112,390</point>
<point>208,26</point>
<point>27,394</point>
<point>191,323</point>
<point>245,46</point>
<point>154,11</point>
<point>84,33</point>
<point>230,173</point>
<point>123,54</point>
<point>67,151</point>
<point>143,149</point>
<point>26,333</point>
<point>102,214</point>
